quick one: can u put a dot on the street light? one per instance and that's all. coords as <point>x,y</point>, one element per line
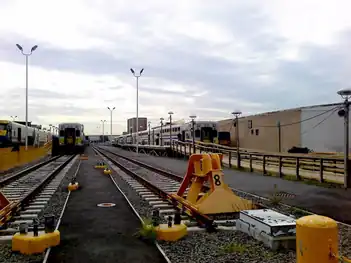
<point>13,117</point>
<point>170,128</point>
<point>346,95</point>
<point>111,110</point>
<point>137,106</point>
<point>103,130</point>
<point>236,114</point>
<point>149,137</point>
<point>193,117</point>
<point>26,55</point>
<point>161,138</point>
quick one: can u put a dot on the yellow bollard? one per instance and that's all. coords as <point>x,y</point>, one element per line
<point>316,239</point>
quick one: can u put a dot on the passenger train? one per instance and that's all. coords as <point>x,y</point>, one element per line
<point>12,132</point>
<point>205,131</point>
<point>71,139</point>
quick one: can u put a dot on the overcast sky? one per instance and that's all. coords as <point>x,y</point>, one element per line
<point>202,57</point>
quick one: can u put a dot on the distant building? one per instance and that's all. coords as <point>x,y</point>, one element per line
<point>131,124</point>
<point>317,127</point>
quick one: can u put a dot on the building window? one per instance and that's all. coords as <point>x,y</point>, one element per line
<point>252,131</point>
<point>257,131</point>
<point>249,123</point>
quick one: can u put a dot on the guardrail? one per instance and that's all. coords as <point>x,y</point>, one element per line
<point>321,168</point>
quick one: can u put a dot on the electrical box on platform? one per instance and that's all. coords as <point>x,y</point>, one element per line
<point>274,229</point>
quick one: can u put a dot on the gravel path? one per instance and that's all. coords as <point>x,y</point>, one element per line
<point>220,247</point>
<point>53,207</point>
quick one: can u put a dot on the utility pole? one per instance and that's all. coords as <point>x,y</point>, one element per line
<point>149,137</point>
<point>161,137</point>
<point>279,137</point>
<point>346,95</point>
<point>236,114</point>
<point>170,128</point>
<point>193,117</point>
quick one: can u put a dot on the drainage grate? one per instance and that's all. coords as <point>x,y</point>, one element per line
<point>285,195</point>
<point>106,205</point>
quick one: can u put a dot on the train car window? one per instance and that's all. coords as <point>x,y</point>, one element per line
<point>252,131</point>
<point>62,133</point>
<point>77,133</point>
<point>257,132</point>
<point>214,133</point>
<point>197,133</point>
<point>3,126</point>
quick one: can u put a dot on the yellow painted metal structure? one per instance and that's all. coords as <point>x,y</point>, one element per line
<point>316,239</point>
<point>220,198</point>
<point>9,159</point>
<point>173,233</point>
<point>29,244</point>
<point>84,157</point>
<point>73,187</point>
<point>107,171</point>
<point>100,165</point>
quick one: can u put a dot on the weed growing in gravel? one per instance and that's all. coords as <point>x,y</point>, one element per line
<point>147,231</point>
<point>234,247</point>
<point>274,198</point>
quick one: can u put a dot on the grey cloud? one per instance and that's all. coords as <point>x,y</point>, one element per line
<point>310,80</point>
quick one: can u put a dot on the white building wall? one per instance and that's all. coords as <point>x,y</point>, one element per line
<point>319,135</point>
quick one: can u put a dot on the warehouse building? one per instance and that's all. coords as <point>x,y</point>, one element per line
<point>318,128</point>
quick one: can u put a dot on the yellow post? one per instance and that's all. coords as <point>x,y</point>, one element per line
<point>316,239</point>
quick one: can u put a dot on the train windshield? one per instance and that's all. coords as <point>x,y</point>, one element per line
<point>3,126</point>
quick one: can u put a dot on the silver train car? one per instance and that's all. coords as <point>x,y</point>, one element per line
<point>12,132</point>
<point>71,139</point>
<point>205,131</point>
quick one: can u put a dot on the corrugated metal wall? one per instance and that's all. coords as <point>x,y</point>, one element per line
<point>324,133</point>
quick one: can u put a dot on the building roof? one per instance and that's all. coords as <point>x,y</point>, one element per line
<point>285,110</point>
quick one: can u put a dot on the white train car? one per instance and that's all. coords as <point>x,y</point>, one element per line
<point>205,131</point>
<point>14,133</point>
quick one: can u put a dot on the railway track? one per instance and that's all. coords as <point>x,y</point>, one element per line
<point>29,191</point>
<point>156,188</point>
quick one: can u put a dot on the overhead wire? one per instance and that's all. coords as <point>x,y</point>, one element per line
<point>298,122</point>
<point>319,123</point>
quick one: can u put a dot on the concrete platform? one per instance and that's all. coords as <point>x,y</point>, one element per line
<point>330,202</point>
<point>98,234</point>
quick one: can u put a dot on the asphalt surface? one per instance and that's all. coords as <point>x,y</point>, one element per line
<point>95,234</point>
<point>332,202</point>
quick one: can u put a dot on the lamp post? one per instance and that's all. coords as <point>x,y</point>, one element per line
<point>26,55</point>
<point>193,117</point>
<point>13,117</point>
<point>346,95</point>
<point>236,115</point>
<point>137,106</point>
<point>149,137</point>
<point>170,128</point>
<point>111,110</point>
<point>103,130</point>
<point>161,137</point>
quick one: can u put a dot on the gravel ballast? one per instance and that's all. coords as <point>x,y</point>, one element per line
<point>220,247</point>
<point>53,207</point>
<point>165,163</point>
